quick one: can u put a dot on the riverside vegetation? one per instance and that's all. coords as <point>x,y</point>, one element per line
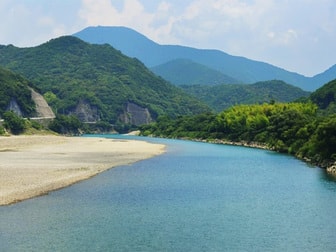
<point>305,129</point>
<point>67,70</point>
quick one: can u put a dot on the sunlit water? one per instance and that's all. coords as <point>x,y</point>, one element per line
<point>195,197</point>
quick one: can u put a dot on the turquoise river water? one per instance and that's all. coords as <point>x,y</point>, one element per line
<point>195,197</point>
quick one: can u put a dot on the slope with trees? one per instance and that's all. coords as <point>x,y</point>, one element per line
<point>298,128</point>
<point>69,71</point>
<point>186,72</point>
<point>325,97</point>
<point>221,97</point>
<point>241,69</point>
<point>14,87</point>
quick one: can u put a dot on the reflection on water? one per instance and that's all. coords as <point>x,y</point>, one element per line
<point>195,197</point>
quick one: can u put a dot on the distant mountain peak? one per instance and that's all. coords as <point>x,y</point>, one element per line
<point>152,54</point>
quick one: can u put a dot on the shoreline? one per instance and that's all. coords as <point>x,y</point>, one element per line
<point>329,167</point>
<point>35,165</point>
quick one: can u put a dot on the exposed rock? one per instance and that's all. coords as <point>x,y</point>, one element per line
<point>134,133</point>
<point>14,106</point>
<point>332,169</point>
<point>42,108</point>
<point>86,112</point>
<point>135,115</point>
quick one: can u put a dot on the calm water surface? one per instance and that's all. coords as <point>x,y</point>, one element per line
<point>195,197</point>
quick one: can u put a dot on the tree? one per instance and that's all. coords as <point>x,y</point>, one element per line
<point>13,122</point>
<point>66,125</point>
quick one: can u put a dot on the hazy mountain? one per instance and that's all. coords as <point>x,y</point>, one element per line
<point>221,97</point>
<point>97,82</point>
<point>325,77</point>
<point>187,72</point>
<point>241,69</point>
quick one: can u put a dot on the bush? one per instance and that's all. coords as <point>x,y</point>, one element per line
<point>13,122</point>
<point>2,131</point>
<point>66,125</point>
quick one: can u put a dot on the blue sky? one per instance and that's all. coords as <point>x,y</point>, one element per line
<point>297,35</point>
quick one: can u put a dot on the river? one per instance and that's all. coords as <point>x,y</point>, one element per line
<point>195,197</point>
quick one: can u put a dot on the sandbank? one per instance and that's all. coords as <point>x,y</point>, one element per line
<point>35,165</point>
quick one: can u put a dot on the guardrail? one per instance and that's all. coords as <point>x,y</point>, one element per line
<point>42,120</point>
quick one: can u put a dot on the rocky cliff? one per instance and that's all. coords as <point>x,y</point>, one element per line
<point>42,108</point>
<point>14,106</point>
<point>86,112</point>
<point>135,115</point>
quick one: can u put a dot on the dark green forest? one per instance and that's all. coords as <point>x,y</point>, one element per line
<point>223,96</point>
<point>304,129</point>
<point>67,70</point>
<point>14,86</point>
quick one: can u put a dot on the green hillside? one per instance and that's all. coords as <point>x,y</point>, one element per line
<point>14,88</point>
<point>70,72</point>
<point>152,54</point>
<point>293,128</point>
<point>304,129</point>
<point>187,72</point>
<point>325,97</point>
<point>224,96</point>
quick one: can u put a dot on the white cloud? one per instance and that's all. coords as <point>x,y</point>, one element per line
<point>156,24</point>
<point>26,24</point>
<point>98,12</point>
<point>164,7</point>
<point>268,30</point>
<point>298,35</point>
<point>102,12</point>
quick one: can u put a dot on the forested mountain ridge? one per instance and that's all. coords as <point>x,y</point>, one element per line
<point>221,97</point>
<point>293,128</point>
<point>306,129</point>
<point>72,73</point>
<point>241,69</point>
<point>325,97</point>
<point>15,94</point>
<point>186,72</point>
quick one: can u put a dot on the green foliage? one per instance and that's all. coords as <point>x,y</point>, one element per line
<point>292,128</point>
<point>303,128</point>
<point>14,86</point>
<point>267,122</point>
<point>325,97</point>
<point>52,99</point>
<point>188,72</point>
<point>221,97</point>
<point>67,70</point>
<point>13,122</point>
<point>69,125</point>
<point>322,143</point>
<point>2,130</point>
<point>245,70</point>
<point>35,125</point>
<point>102,127</point>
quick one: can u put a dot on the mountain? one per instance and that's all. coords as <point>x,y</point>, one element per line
<point>221,97</point>
<point>187,72</point>
<point>325,97</point>
<point>326,76</point>
<point>241,69</point>
<point>97,82</point>
<point>15,94</point>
